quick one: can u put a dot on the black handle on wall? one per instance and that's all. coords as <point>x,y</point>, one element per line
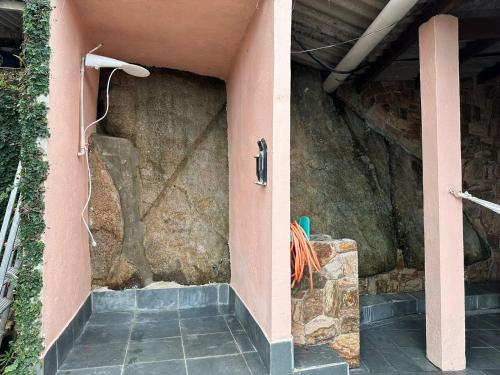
<point>261,163</point>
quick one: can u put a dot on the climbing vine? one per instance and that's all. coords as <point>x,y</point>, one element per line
<point>10,132</point>
<point>34,132</point>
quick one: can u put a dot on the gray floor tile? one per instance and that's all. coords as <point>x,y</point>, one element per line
<point>197,326</point>
<point>317,355</point>
<point>400,361</point>
<point>156,350</point>
<point>477,322</point>
<point>255,363</point>
<point>96,355</point>
<point>243,342</point>
<point>490,337</point>
<point>492,372</point>
<point>175,367</point>
<point>166,299</point>
<point>483,358</point>
<point>196,346</point>
<point>408,339</point>
<point>376,363</point>
<point>149,331</point>
<point>111,318</point>
<point>117,370</point>
<point>228,365</point>
<point>155,316</point>
<point>104,334</point>
<point>233,323</point>
<point>200,312</point>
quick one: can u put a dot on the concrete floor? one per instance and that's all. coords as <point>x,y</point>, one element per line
<point>397,346</point>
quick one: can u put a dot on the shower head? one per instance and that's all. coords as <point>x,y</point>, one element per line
<point>97,62</point>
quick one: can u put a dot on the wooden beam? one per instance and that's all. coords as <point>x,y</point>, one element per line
<point>11,5</point>
<point>405,41</point>
<point>474,48</point>
<point>489,73</point>
<point>479,28</point>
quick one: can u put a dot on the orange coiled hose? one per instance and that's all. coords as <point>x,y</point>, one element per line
<point>302,255</point>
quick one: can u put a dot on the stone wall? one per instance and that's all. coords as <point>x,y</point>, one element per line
<point>392,109</point>
<point>329,313</point>
<point>159,208</point>
<point>356,182</point>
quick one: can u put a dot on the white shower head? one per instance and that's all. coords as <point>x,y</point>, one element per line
<point>97,62</point>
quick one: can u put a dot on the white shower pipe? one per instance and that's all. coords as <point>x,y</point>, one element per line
<point>392,13</point>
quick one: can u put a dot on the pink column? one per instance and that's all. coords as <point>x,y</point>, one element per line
<point>444,269</point>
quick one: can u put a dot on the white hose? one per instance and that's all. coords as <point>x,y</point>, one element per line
<point>87,160</point>
<point>490,205</point>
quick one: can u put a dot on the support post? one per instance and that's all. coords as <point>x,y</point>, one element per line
<point>443,226</point>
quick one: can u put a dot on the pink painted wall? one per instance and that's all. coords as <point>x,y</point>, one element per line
<point>442,170</point>
<point>259,107</point>
<point>193,35</point>
<point>66,268</point>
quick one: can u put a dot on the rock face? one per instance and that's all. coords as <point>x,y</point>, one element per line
<point>331,182</point>
<point>160,204</point>
<point>355,183</point>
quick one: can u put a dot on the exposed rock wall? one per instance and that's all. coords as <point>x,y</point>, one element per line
<point>159,209</point>
<point>355,182</point>
<point>392,109</point>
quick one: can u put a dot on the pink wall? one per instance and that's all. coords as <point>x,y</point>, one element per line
<point>193,35</point>
<point>259,107</point>
<point>66,269</point>
<point>442,170</point>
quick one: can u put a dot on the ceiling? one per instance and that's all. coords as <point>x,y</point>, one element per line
<point>193,35</point>
<point>319,23</point>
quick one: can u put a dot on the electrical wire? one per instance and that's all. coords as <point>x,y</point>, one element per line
<point>94,243</point>
<point>344,42</point>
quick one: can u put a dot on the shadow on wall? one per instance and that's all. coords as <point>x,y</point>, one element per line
<point>355,183</point>
<point>159,209</point>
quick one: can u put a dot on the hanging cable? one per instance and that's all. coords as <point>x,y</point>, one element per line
<point>344,42</point>
<point>94,243</point>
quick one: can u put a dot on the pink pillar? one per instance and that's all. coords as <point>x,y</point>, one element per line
<point>444,268</point>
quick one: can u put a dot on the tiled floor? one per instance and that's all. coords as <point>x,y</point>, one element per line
<point>201,341</point>
<point>397,346</point>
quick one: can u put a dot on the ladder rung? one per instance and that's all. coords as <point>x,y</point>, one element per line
<point>4,304</point>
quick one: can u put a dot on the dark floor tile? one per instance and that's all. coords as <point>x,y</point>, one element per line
<point>243,342</point>
<point>174,367</point>
<point>492,372</point>
<point>200,312</point>
<point>196,326</point>
<point>493,319</point>
<point>419,356</point>
<point>50,361</point>
<point>314,355</point>
<point>473,341</point>
<point>483,358</point>
<point>233,323</point>
<point>488,301</point>
<point>165,299</point>
<point>96,355</point>
<point>198,296</point>
<point>490,337</point>
<point>104,334</point>
<point>223,294</point>
<point>111,318</point>
<point>408,339</point>
<point>400,361</point>
<point>159,330</point>
<point>372,299</point>
<point>255,364</point>
<point>155,316</point>
<point>156,350</point>
<point>376,363</point>
<point>378,339</point>
<point>212,344</point>
<point>113,301</point>
<point>228,365</point>
<point>116,370</point>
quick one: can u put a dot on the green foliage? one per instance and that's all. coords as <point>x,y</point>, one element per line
<point>6,359</point>
<point>10,132</point>
<point>34,131</point>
